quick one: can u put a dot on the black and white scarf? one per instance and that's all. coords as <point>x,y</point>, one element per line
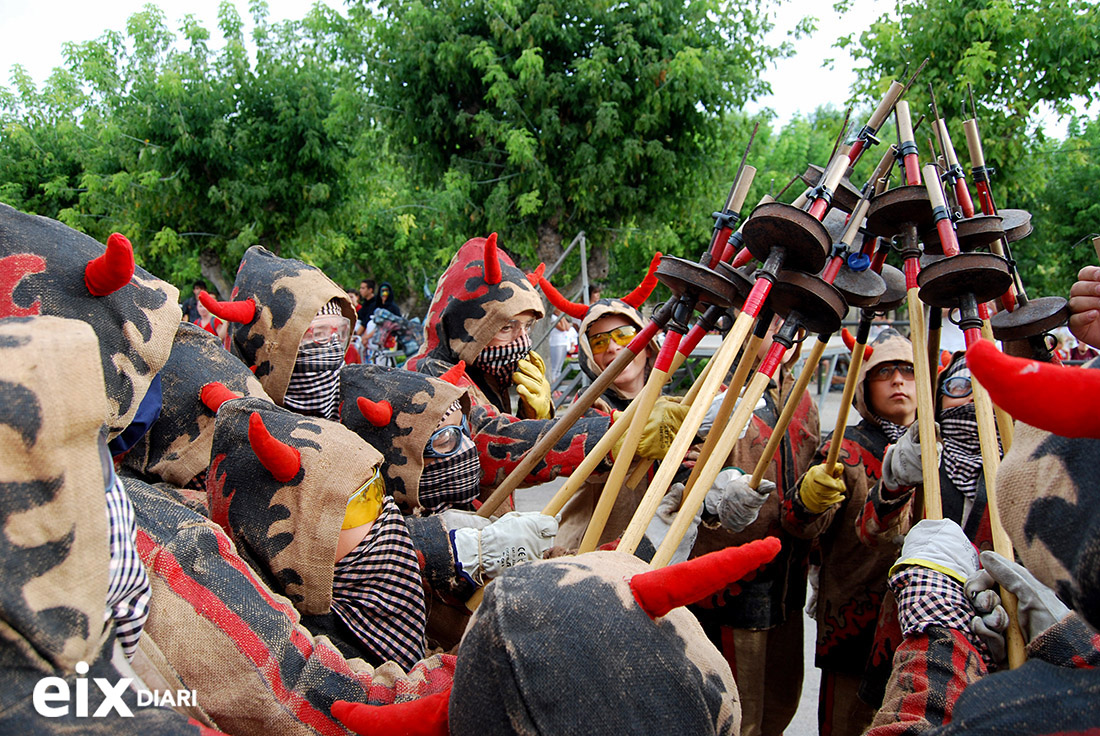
<point>892,431</point>
<point>128,590</point>
<point>376,591</point>
<point>451,482</point>
<point>315,382</point>
<point>962,451</point>
<point>501,361</point>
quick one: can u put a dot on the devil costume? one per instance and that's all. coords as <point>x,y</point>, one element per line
<point>852,581</point>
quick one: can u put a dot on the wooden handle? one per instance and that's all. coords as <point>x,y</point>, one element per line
<point>696,494</point>
<point>932,183</point>
<point>905,122</point>
<point>850,382</point>
<point>831,178</point>
<point>741,188</point>
<point>722,360</point>
<point>793,400</point>
<point>801,200</point>
<point>926,409</point>
<point>855,221</point>
<point>886,105</point>
<point>974,144</point>
<point>948,147</point>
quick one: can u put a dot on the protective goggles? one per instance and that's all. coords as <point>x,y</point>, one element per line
<point>323,329</point>
<point>601,341</point>
<point>885,371</point>
<point>446,441</point>
<point>957,387</point>
<point>365,504</point>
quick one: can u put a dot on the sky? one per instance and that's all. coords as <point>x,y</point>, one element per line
<point>33,33</point>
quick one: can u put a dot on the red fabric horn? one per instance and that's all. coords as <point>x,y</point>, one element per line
<point>850,343</point>
<point>945,360</point>
<point>659,591</point>
<point>1064,400</point>
<point>425,716</point>
<point>111,271</point>
<point>637,297</point>
<point>241,312</point>
<point>455,374</point>
<point>574,310</point>
<point>535,275</point>
<point>378,413</point>
<point>281,460</point>
<point>214,394</point>
<point>492,261</point>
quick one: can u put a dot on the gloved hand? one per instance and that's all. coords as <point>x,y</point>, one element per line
<point>661,426</point>
<point>1038,608</point>
<point>927,581</point>
<point>533,388</point>
<point>734,501</point>
<point>459,519</point>
<point>821,489</point>
<point>901,466</point>
<point>941,545</point>
<point>482,554</point>
<point>661,523</point>
<point>991,620</point>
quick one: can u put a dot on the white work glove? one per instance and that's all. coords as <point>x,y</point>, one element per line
<point>459,519</point>
<point>482,554</point>
<point>940,545</point>
<point>712,414</point>
<point>661,523</point>
<point>734,501</point>
<point>901,466</point>
<point>1038,608</point>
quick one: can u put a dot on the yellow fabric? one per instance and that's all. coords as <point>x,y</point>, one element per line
<point>661,427</point>
<point>365,504</point>
<point>908,561</point>
<point>821,489</point>
<point>533,388</point>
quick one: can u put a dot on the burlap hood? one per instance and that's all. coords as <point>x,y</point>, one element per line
<point>42,271</point>
<point>288,531</point>
<point>467,311</point>
<point>1050,506</point>
<point>177,447</point>
<point>602,308</point>
<point>287,294</point>
<point>558,638</point>
<point>54,547</point>
<point>418,403</point>
<point>888,346</point>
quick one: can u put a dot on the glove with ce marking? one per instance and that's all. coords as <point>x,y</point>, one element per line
<point>660,428</point>
<point>821,489</point>
<point>482,554</point>
<point>734,501</point>
<point>533,388</point>
<point>662,521</point>
<point>1038,607</point>
<point>901,466</point>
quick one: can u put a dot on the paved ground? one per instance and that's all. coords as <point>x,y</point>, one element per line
<point>805,720</point>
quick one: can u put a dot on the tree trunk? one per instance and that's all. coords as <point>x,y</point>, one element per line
<point>211,267</point>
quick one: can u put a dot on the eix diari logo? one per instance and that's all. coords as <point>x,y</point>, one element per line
<point>52,696</point>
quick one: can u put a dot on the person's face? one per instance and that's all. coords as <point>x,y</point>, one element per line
<point>520,325</point>
<point>956,391</point>
<point>892,392</point>
<point>196,290</point>
<point>633,375</point>
<point>453,420</point>
<point>365,292</point>
<point>204,313</point>
<point>354,297</point>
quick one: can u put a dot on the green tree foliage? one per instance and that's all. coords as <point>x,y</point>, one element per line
<point>542,119</point>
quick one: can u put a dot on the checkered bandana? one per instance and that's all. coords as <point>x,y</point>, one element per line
<point>893,431</point>
<point>128,591</point>
<point>451,482</point>
<point>501,361</point>
<point>314,385</point>
<point>962,451</point>
<point>376,591</point>
<point>929,598</point>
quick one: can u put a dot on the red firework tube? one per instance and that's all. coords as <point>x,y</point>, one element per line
<point>857,151</point>
<point>985,198</point>
<point>944,226</point>
<point>978,169</point>
<point>911,268</point>
<point>879,259</point>
<point>828,184</point>
<point>907,145</point>
<point>728,216</point>
<point>831,270</point>
<point>642,339</point>
<point>743,256</point>
<point>668,350</point>
<point>962,192</point>
<point>772,360</point>
<point>754,302</point>
<point>971,336</point>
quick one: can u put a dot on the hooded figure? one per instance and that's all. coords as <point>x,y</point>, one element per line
<point>403,414</point>
<point>626,313</point>
<point>75,593</point>
<point>304,501</point>
<point>176,449</point>
<point>287,324</point>
<point>479,295</point>
<point>1049,503</point>
<point>852,578</point>
<point>555,645</point>
<point>51,269</point>
<point>385,299</point>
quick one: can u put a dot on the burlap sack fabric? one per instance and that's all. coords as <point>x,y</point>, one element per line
<point>177,447</point>
<point>43,264</point>
<point>287,294</point>
<point>54,549</point>
<point>604,652</point>
<point>256,670</point>
<point>289,530</point>
<point>418,402</point>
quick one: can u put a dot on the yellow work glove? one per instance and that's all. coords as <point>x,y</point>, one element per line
<point>533,388</point>
<point>661,426</point>
<point>821,489</point>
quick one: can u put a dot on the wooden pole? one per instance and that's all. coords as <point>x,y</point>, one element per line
<point>850,383</point>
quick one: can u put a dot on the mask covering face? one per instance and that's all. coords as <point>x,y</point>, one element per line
<point>962,452</point>
<point>451,482</point>
<point>315,383</point>
<point>502,361</point>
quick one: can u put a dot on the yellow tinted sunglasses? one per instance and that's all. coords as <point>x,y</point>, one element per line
<point>621,335</point>
<point>365,504</point>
